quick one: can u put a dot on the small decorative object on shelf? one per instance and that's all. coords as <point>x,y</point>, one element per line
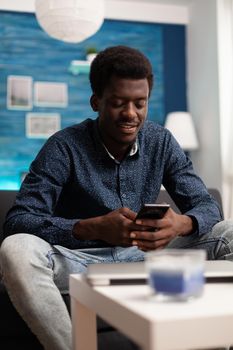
<point>78,66</point>
<point>91,53</point>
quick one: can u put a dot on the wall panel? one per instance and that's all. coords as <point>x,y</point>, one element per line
<point>25,50</point>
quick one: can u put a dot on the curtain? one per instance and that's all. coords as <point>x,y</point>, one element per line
<point>225,57</point>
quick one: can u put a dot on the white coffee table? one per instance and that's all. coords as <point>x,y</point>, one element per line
<point>206,322</point>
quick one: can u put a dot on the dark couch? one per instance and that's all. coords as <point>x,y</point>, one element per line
<point>14,333</point>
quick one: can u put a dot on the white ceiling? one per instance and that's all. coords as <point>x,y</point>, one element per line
<point>166,2</point>
<point>160,11</point>
<point>28,5</point>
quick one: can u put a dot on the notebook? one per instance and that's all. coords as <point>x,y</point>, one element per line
<point>135,273</point>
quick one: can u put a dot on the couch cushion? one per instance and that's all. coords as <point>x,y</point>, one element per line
<point>11,323</point>
<point>7,198</point>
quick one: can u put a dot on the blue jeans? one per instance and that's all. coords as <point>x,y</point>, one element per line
<point>36,274</point>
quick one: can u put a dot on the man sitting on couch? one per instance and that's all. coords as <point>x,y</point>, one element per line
<point>79,201</point>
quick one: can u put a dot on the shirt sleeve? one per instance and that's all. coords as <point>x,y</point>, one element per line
<point>187,189</point>
<point>34,206</point>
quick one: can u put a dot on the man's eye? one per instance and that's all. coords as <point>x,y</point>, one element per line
<point>140,104</point>
<point>116,104</point>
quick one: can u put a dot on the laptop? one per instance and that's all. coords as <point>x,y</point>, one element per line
<point>104,274</point>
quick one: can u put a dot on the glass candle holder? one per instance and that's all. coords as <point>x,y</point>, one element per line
<point>176,274</point>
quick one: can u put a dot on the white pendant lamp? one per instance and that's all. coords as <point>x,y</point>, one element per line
<point>70,20</point>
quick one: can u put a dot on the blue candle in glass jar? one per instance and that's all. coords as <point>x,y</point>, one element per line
<point>178,274</point>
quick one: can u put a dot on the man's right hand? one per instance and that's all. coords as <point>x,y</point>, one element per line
<point>113,228</point>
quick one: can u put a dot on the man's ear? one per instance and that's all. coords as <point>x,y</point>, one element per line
<point>94,103</point>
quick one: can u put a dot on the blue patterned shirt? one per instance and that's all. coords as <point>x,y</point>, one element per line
<point>73,177</point>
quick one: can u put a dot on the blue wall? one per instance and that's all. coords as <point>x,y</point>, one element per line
<point>26,50</point>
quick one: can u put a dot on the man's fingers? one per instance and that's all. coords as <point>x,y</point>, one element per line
<point>152,234</point>
<point>147,245</point>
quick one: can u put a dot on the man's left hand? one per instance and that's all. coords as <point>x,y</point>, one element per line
<point>162,230</point>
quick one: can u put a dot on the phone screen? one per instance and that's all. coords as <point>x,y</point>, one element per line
<point>152,211</point>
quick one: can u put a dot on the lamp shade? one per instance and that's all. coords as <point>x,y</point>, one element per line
<point>70,20</point>
<point>182,127</point>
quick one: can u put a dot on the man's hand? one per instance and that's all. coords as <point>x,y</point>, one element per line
<point>162,230</point>
<point>114,227</point>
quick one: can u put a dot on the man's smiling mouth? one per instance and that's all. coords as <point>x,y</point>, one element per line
<point>128,126</point>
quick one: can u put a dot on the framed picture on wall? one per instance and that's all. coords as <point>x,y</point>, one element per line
<point>42,125</point>
<point>19,92</point>
<point>50,94</point>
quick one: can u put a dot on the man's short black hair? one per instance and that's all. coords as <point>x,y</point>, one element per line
<point>122,62</point>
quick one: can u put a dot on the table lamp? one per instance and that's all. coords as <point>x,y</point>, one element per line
<point>181,125</point>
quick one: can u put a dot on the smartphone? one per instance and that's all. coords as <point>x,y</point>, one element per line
<point>152,211</point>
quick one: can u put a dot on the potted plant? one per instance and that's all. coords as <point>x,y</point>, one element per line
<point>91,53</point>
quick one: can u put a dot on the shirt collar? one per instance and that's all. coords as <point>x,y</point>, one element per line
<point>132,151</point>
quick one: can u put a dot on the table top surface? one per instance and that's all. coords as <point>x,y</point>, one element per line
<point>216,300</point>
<point>161,325</point>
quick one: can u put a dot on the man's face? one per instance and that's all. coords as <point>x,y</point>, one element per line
<point>122,111</point>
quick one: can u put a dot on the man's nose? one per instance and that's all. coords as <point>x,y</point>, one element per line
<point>129,109</point>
